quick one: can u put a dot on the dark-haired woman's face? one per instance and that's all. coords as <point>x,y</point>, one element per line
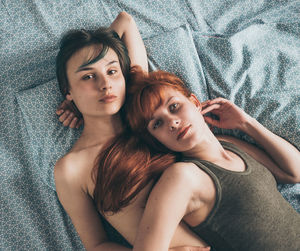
<point>177,123</point>
<point>97,89</point>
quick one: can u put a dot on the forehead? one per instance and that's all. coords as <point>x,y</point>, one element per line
<point>159,100</point>
<point>88,53</point>
<point>169,92</point>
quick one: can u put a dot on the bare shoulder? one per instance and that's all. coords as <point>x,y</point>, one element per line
<point>181,168</point>
<point>186,172</point>
<point>67,166</point>
<point>243,145</point>
<point>74,170</point>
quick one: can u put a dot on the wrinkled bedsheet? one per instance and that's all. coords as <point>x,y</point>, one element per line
<point>245,51</point>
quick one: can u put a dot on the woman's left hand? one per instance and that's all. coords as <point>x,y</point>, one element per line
<point>68,115</point>
<point>229,115</point>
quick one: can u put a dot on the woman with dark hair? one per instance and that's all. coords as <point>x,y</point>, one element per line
<point>92,68</point>
<point>222,187</point>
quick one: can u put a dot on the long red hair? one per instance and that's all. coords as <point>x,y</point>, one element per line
<point>123,169</point>
<point>134,158</point>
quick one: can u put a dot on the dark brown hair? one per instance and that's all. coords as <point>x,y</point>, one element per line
<point>75,40</point>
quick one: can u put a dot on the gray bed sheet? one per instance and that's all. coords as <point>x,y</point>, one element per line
<point>245,51</point>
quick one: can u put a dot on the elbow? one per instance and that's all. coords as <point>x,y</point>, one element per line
<point>291,179</point>
<point>295,176</point>
<point>99,246</point>
<point>295,179</point>
<point>125,16</point>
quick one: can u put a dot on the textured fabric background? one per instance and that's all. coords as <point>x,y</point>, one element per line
<point>245,51</point>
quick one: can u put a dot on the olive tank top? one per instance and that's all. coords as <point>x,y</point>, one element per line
<point>249,213</point>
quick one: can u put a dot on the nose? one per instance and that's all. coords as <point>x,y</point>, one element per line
<point>104,84</point>
<point>173,124</point>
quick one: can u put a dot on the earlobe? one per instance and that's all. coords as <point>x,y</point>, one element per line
<point>69,97</point>
<point>196,101</point>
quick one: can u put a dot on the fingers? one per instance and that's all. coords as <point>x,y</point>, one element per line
<point>65,117</point>
<point>80,122</point>
<point>59,111</point>
<point>212,121</point>
<point>204,104</point>
<point>64,105</point>
<point>210,108</point>
<point>218,100</point>
<point>76,123</point>
<point>69,118</point>
<point>73,122</point>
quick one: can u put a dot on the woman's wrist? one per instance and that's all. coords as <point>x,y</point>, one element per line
<point>248,124</point>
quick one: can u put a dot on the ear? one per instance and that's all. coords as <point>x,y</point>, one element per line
<point>69,97</point>
<point>196,101</point>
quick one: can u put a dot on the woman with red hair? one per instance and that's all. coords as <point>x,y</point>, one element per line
<point>222,187</point>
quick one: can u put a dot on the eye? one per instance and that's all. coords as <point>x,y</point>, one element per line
<point>88,76</point>
<point>174,107</point>
<point>157,124</point>
<point>112,72</point>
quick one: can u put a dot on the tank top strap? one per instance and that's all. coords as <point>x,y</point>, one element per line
<point>229,146</point>
<point>209,168</point>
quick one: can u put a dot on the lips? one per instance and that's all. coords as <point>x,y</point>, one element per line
<point>183,132</point>
<point>108,98</point>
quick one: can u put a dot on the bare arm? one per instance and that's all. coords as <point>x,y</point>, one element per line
<point>127,30</point>
<point>81,209</point>
<point>167,204</point>
<point>280,157</point>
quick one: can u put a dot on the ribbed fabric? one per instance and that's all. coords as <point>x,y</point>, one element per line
<point>249,213</point>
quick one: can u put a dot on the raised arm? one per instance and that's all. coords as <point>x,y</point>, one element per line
<point>279,156</point>
<point>127,30</point>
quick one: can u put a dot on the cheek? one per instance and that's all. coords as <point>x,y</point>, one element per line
<point>120,86</point>
<point>121,94</point>
<point>163,137</point>
<point>191,113</point>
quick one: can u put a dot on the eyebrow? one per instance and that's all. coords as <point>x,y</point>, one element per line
<point>169,99</point>
<point>82,68</point>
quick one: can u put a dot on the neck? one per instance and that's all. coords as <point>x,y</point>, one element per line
<point>99,130</point>
<point>208,148</point>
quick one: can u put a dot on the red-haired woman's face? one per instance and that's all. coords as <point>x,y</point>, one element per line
<point>99,88</point>
<point>177,123</point>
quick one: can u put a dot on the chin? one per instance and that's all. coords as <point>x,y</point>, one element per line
<point>181,148</point>
<point>187,147</point>
<point>113,110</point>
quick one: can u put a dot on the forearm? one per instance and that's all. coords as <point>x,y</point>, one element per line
<point>166,206</point>
<point>128,31</point>
<point>184,236</point>
<point>284,154</point>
